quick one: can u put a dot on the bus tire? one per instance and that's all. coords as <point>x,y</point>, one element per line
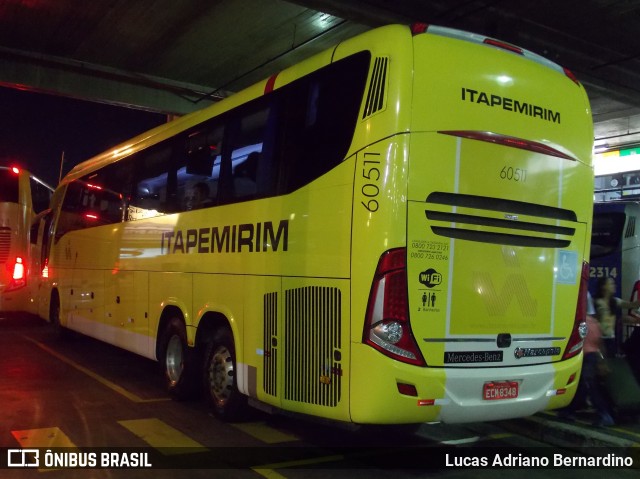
<point>176,362</point>
<point>59,331</point>
<point>220,378</point>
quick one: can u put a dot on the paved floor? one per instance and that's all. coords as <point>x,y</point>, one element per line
<point>579,433</point>
<point>87,394</point>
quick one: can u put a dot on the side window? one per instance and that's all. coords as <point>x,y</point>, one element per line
<point>251,157</point>
<point>33,233</point>
<point>319,116</point>
<point>154,188</point>
<point>40,196</point>
<point>272,145</point>
<point>199,166</point>
<point>70,217</point>
<point>95,200</point>
<point>106,193</point>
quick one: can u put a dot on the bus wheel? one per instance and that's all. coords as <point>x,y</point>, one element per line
<point>54,318</point>
<point>219,378</point>
<point>175,360</point>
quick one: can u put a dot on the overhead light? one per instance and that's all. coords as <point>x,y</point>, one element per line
<point>597,149</point>
<point>323,20</point>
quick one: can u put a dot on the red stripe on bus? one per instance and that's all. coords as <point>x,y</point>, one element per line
<point>268,88</point>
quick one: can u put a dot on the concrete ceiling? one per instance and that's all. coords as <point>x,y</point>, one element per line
<point>177,55</point>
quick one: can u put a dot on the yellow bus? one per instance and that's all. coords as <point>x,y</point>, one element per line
<point>22,197</point>
<point>393,231</point>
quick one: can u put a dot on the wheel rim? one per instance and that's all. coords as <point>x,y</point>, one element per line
<point>221,375</point>
<point>173,361</point>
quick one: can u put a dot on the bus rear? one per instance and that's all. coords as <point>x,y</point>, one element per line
<point>487,322</point>
<point>22,196</point>
<point>13,238</point>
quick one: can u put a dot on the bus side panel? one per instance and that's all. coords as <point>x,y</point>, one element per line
<point>224,294</point>
<point>379,224</point>
<point>126,310</point>
<point>82,257</point>
<point>379,217</point>
<point>262,337</point>
<point>87,303</point>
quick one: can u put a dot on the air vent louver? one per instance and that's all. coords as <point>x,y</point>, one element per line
<point>313,369</point>
<point>376,100</point>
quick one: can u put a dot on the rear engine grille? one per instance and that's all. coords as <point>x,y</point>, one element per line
<point>312,322</point>
<point>270,360</point>
<point>5,244</point>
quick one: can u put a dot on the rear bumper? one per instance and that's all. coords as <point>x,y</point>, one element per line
<point>15,300</point>
<point>456,392</point>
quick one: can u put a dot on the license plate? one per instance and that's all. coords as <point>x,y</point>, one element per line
<point>495,391</point>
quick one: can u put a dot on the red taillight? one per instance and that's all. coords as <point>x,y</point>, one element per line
<point>45,270</point>
<point>18,274</point>
<point>503,45</point>
<point>387,326</point>
<point>15,170</point>
<point>508,141</point>
<point>18,270</point>
<point>576,341</point>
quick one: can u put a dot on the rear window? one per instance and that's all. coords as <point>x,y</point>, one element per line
<point>606,233</point>
<point>8,186</point>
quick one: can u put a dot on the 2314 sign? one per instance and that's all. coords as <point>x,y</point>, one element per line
<point>603,272</point>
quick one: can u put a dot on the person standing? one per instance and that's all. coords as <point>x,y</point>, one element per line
<point>589,387</point>
<point>608,311</point>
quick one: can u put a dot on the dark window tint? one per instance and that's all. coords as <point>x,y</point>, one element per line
<point>198,166</point>
<point>33,234</point>
<point>155,183</point>
<point>272,145</point>
<point>8,186</point>
<point>228,159</point>
<point>606,233</point>
<point>95,200</point>
<point>40,195</point>
<point>318,119</point>
<point>251,155</point>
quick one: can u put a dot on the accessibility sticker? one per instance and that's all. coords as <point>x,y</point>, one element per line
<point>567,267</point>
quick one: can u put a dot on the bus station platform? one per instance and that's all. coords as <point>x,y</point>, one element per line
<point>579,433</point>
